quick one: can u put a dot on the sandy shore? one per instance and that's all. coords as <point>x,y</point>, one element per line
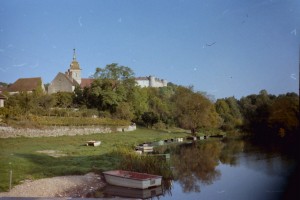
<point>62,186</point>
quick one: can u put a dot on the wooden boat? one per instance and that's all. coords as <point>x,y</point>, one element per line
<point>158,143</point>
<point>144,149</point>
<point>132,179</point>
<point>93,143</point>
<point>179,139</point>
<point>191,138</point>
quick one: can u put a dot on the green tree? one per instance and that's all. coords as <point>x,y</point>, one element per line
<point>256,111</point>
<point>193,110</point>
<point>113,84</point>
<point>229,111</point>
<point>139,102</point>
<point>46,102</point>
<point>284,115</point>
<point>63,99</point>
<point>149,118</point>
<point>124,111</point>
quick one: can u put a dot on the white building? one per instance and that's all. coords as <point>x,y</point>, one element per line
<point>151,81</point>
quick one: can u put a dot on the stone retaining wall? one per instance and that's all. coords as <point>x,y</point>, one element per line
<point>9,132</point>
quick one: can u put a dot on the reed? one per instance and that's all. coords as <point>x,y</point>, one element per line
<point>132,161</point>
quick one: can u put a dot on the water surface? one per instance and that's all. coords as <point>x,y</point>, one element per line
<point>221,169</point>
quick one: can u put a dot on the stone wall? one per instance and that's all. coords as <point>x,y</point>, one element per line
<point>10,132</point>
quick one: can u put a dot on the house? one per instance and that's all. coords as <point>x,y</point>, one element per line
<point>150,81</point>
<point>2,100</point>
<point>26,85</point>
<point>66,82</point>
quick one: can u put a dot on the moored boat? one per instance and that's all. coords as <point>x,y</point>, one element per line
<point>93,143</point>
<point>144,149</point>
<point>132,179</point>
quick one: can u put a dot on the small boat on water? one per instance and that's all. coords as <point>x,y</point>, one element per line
<point>191,138</point>
<point>179,139</point>
<point>144,149</point>
<point>132,179</point>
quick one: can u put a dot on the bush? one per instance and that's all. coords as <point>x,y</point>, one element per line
<point>77,121</point>
<point>89,112</point>
<point>160,125</point>
<point>150,164</point>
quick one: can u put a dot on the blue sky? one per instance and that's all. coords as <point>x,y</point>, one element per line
<point>221,47</point>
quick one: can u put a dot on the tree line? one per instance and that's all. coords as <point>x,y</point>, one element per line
<point>114,94</point>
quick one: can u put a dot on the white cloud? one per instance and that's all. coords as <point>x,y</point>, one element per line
<point>294,32</point>
<point>293,76</point>
<point>19,65</point>
<point>79,21</point>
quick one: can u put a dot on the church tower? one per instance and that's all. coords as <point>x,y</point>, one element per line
<point>75,71</point>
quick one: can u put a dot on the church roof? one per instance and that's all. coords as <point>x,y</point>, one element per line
<point>25,84</point>
<point>74,64</point>
<point>86,82</point>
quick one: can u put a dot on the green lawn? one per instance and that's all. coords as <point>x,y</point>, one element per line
<point>22,157</point>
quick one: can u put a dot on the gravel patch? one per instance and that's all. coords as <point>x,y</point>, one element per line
<point>62,186</point>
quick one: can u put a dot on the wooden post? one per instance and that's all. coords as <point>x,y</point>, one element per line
<point>10,179</point>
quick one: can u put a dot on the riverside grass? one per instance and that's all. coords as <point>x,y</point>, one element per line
<point>40,121</point>
<point>28,157</point>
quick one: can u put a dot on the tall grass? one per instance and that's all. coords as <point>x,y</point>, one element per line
<point>132,161</point>
<point>77,121</point>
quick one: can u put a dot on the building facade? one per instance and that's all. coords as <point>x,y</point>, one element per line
<point>151,81</point>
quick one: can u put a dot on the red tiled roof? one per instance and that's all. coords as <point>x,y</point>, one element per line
<point>25,84</point>
<point>86,82</point>
<point>2,96</point>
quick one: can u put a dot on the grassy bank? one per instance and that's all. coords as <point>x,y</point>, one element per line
<point>33,158</point>
<point>33,121</point>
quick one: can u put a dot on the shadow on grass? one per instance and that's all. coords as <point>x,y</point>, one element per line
<point>47,166</point>
<point>36,166</point>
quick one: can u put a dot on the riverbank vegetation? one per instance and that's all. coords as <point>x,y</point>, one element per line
<point>34,158</point>
<point>267,118</point>
<point>114,99</point>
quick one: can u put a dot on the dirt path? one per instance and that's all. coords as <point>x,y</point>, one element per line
<point>62,186</point>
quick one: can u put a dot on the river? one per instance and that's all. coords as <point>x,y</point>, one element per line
<point>220,169</point>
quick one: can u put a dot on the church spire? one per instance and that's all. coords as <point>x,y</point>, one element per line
<point>74,54</point>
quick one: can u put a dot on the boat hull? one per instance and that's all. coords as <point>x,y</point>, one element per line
<point>132,179</point>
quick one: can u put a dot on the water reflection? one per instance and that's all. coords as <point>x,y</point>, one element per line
<point>230,150</point>
<point>218,169</point>
<point>196,162</point>
<point>111,190</point>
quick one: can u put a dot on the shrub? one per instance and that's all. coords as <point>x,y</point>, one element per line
<point>132,161</point>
